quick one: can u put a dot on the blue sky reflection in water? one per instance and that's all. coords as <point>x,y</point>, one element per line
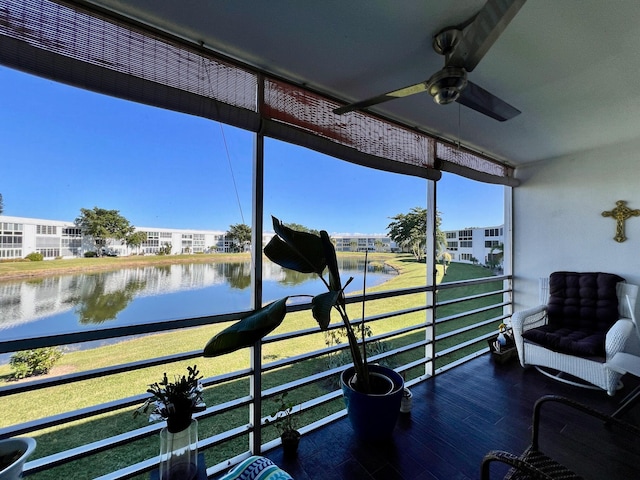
<point>71,303</point>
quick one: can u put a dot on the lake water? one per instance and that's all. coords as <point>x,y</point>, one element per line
<point>72,303</point>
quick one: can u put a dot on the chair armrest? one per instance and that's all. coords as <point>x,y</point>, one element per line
<point>617,336</point>
<point>512,460</point>
<point>524,320</point>
<point>607,419</point>
<point>530,318</point>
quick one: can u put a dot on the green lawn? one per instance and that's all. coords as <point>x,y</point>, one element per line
<point>63,398</point>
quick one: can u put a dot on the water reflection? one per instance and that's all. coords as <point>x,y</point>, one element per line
<point>68,303</point>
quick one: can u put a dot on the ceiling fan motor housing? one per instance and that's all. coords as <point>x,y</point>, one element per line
<point>445,85</point>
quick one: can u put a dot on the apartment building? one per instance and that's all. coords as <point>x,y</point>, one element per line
<point>481,245</point>
<point>20,236</point>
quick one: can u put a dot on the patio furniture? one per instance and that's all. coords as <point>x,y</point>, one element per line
<point>626,362</point>
<point>583,324</point>
<point>533,463</point>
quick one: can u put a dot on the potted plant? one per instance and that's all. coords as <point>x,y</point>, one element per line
<point>283,418</point>
<point>372,392</point>
<point>176,402</point>
<point>13,453</point>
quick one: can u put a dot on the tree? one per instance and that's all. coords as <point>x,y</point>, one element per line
<point>409,230</point>
<point>1,205</point>
<point>445,259</point>
<point>302,228</point>
<point>241,233</point>
<point>102,224</point>
<point>495,259</point>
<point>136,239</point>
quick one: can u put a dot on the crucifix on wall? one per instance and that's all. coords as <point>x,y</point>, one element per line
<point>621,213</point>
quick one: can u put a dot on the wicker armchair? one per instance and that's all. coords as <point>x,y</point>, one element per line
<point>580,363</point>
<point>534,464</point>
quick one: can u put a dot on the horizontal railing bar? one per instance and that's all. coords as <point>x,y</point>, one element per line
<point>228,463</point>
<point>468,313</point>
<point>317,353</point>
<point>453,301</point>
<point>270,392</point>
<point>131,470</point>
<point>96,373</point>
<point>335,326</point>
<point>472,281</point>
<point>150,464</point>
<point>415,363</point>
<point>119,404</point>
<point>128,437</point>
<point>61,458</point>
<point>460,361</point>
<point>328,373</point>
<point>159,326</point>
<point>9,346</point>
<point>470,327</point>
<point>462,345</point>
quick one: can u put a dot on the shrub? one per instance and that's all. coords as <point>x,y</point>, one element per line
<point>35,257</point>
<point>90,254</point>
<point>28,363</point>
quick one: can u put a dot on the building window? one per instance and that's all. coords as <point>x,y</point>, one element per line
<point>491,243</point>
<point>46,230</point>
<point>71,232</point>
<point>466,244</point>
<point>49,252</point>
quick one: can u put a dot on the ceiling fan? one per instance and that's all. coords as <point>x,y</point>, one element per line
<point>463,46</point>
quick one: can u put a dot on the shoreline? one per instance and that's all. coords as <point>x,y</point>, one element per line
<point>12,271</point>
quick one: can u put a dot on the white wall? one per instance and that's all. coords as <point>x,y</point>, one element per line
<point>558,222</point>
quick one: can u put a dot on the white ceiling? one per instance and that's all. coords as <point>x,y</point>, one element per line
<point>570,66</point>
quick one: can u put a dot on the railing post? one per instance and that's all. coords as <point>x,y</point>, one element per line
<point>507,250</point>
<point>255,389</point>
<point>431,273</point>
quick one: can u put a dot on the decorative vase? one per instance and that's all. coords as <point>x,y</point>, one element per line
<point>13,453</point>
<point>373,416</point>
<point>179,452</point>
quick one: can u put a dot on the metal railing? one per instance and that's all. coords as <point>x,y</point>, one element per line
<point>446,334</point>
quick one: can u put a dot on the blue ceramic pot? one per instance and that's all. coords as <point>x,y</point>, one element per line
<point>373,416</point>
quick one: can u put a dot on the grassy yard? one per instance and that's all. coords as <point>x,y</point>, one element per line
<point>63,398</point>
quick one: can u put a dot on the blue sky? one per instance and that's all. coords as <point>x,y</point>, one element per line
<point>63,149</point>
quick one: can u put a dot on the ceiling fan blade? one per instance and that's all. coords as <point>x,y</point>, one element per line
<point>402,92</point>
<point>484,30</point>
<point>478,99</point>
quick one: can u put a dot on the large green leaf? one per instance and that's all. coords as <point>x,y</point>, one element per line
<point>332,262</point>
<point>247,331</point>
<point>299,251</point>
<point>321,307</point>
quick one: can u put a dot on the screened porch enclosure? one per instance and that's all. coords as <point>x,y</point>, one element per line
<point>422,329</point>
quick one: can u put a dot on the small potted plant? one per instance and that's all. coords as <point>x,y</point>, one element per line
<point>176,402</point>
<point>283,418</point>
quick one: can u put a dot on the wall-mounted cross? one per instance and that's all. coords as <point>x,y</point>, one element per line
<point>621,213</point>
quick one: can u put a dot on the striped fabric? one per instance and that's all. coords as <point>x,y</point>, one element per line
<point>257,468</point>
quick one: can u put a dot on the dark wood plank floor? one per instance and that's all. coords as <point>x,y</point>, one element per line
<point>461,415</point>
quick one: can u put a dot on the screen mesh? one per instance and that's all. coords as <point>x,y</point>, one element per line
<point>88,49</point>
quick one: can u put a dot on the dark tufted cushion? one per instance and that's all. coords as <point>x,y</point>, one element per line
<point>582,308</point>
